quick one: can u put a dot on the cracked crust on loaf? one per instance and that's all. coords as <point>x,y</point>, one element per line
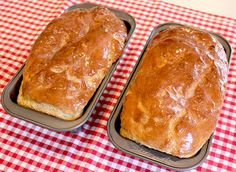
<point>69,60</point>
<point>174,101</point>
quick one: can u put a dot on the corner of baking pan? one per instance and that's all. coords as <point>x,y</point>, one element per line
<point>4,97</point>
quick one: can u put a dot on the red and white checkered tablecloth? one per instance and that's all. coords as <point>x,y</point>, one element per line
<point>27,147</point>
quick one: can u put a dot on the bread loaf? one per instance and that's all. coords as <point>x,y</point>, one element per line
<point>69,60</point>
<point>174,101</point>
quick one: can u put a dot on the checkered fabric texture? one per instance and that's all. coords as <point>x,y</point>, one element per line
<point>25,146</point>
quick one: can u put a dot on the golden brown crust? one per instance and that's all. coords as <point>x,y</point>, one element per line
<point>69,60</point>
<point>174,102</point>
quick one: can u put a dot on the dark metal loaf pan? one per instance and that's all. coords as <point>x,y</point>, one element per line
<point>11,91</point>
<point>143,152</point>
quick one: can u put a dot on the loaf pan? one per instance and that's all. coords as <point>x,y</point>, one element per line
<point>143,152</point>
<point>10,93</point>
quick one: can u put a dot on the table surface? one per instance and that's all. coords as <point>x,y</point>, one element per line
<point>220,7</point>
<point>25,146</point>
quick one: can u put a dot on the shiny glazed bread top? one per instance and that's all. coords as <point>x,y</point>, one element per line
<point>175,99</point>
<point>69,60</point>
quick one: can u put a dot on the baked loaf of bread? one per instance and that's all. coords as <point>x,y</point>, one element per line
<point>69,60</point>
<point>174,101</point>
